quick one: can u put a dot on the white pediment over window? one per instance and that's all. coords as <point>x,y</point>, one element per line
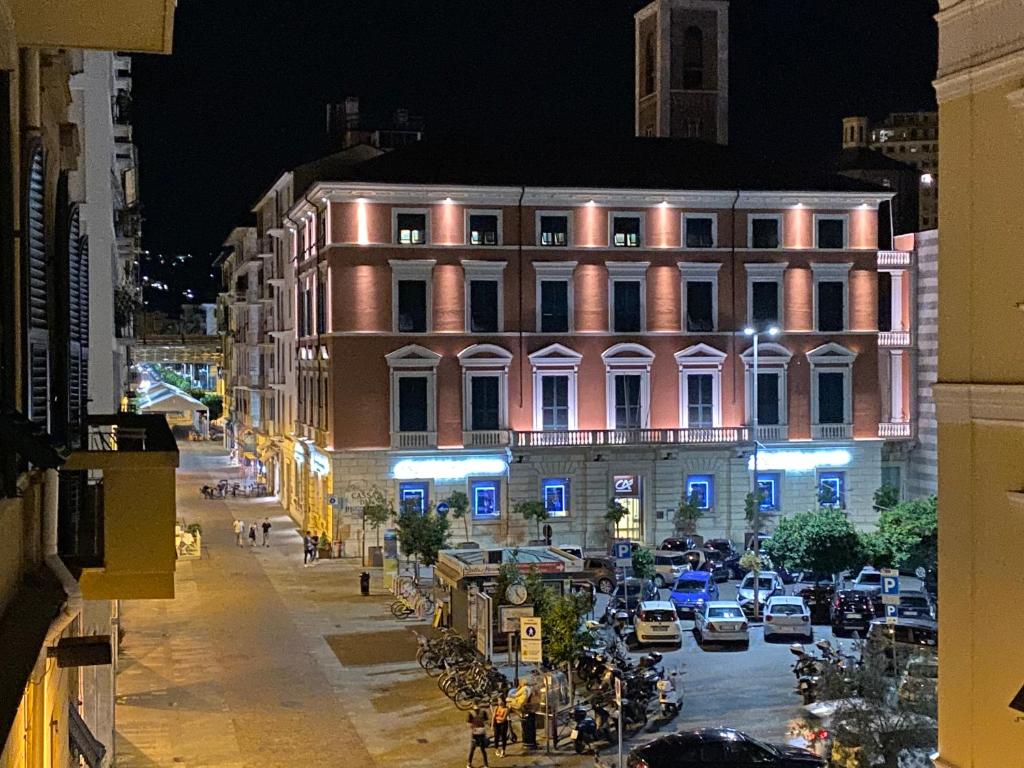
<point>831,354</point>
<point>768,354</point>
<point>627,354</point>
<point>555,355</point>
<point>413,356</point>
<point>485,356</point>
<point>700,355</point>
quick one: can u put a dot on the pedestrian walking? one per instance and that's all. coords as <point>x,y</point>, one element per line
<point>499,722</point>
<point>307,549</point>
<point>477,736</point>
<point>266,531</point>
<point>238,526</point>
<point>316,547</point>
<point>252,534</point>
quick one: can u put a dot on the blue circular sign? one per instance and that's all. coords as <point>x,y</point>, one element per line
<point>442,508</point>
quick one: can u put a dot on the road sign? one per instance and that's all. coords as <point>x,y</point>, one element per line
<point>442,508</point>
<point>530,633</point>
<point>1018,700</point>
<point>892,613</point>
<point>333,501</point>
<point>618,691</point>
<point>509,616</point>
<point>890,586</point>
<point>623,553</point>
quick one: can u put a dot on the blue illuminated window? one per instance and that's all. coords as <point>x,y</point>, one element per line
<point>832,489</point>
<point>416,495</point>
<point>770,484</point>
<point>555,492</point>
<point>485,497</point>
<point>703,487</point>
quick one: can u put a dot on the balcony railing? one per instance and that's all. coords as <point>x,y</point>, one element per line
<point>587,437</point>
<point>894,338</point>
<point>413,439</point>
<point>895,430</point>
<point>772,433</point>
<point>894,258</point>
<point>831,431</point>
<point>485,438</point>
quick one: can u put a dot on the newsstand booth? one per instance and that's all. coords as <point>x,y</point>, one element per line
<point>467,579</point>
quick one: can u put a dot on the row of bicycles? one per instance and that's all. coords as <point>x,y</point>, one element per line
<point>463,675</point>
<point>409,600</point>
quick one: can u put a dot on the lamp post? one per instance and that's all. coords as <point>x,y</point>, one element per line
<point>755,489</point>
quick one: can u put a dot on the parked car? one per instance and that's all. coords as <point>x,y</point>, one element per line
<point>908,637</point>
<point>628,595</point>
<point>721,621</point>
<point>692,589</point>
<point>915,604</point>
<point>667,567</point>
<point>817,591</point>
<point>656,622</point>
<point>768,584</point>
<point>601,572</point>
<point>852,610</point>
<point>714,563</point>
<point>730,556</point>
<point>680,544</point>
<point>868,578</point>
<point>918,686</point>
<point>718,748</point>
<point>788,615</point>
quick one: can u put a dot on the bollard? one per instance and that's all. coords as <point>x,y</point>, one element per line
<point>364,583</point>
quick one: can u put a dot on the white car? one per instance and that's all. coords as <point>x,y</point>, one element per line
<point>868,578</point>
<point>768,584</point>
<point>667,567</point>
<point>656,621</point>
<point>721,621</point>
<point>788,615</point>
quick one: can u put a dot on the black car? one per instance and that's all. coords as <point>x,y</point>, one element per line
<point>915,604</point>
<point>817,590</point>
<point>680,544</point>
<point>719,748</point>
<point>629,595</point>
<point>853,610</point>
<point>730,557</point>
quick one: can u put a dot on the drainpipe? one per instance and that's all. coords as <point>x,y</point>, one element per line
<point>73,605</point>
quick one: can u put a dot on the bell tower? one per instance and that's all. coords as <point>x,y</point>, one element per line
<point>682,69</point>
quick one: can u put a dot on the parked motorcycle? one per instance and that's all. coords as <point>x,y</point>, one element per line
<point>590,730</point>
<point>670,694</point>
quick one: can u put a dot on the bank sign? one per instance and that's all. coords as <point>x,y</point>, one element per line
<point>626,485</point>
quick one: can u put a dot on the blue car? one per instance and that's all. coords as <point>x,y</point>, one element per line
<point>691,590</point>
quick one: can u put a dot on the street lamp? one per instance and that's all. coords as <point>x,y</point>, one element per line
<point>755,490</point>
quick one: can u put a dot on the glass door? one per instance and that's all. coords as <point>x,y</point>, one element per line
<point>631,525</point>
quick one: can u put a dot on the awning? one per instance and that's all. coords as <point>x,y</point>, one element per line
<point>83,743</point>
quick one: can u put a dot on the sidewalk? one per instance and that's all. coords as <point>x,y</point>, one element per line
<point>259,661</point>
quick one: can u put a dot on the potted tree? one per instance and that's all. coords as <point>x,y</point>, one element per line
<point>458,508</point>
<point>532,510</point>
<point>687,514</point>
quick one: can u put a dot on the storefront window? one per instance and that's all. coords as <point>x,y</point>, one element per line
<point>555,492</point>
<point>414,495</point>
<point>702,487</point>
<point>485,496</point>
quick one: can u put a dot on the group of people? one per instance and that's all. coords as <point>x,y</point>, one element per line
<point>239,527</point>
<point>520,702</point>
<point>219,491</point>
<point>310,548</point>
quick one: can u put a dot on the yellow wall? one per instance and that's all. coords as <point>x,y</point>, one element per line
<point>39,734</point>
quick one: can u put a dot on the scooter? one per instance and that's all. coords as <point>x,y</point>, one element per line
<point>590,730</point>
<point>670,695</point>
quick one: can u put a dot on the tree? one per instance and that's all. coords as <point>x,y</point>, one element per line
<point>751,505</point>
<point>908,533</point>
<point>886,497</point>
<point>613,516</point>
<point>377,508</point>
<point>421,534</point>
<point>821,540</point>
<point>687,514</point>
<point>215,403</point>
<point>643,563</point>
<point>458,508</point>
<point>565,637</point>
<point>532,510</point>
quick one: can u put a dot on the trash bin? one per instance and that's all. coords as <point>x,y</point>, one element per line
<point>364,583</point>
<point>530,729</point>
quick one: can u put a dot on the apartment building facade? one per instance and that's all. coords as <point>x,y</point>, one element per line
<point>577,339</point>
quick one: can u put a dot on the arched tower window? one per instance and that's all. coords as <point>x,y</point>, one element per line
<point>693,59</point>
<point>650,57</point>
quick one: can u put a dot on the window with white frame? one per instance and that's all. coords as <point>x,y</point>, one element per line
<point>485,498</point>
<point>627,389</point>
<point>765,293</point>
<point>554,296</point>
<point>772,365</point>
<point>831,296</point>
<point>832,489</point>
<point>553,228</point>
<point>413,390</point>
<point>627,296</point>
<point>700,230</point>
<point>483,228</point>
<point>484,295</point>
<point>700,384</point>
<point>626,230</point>
<point>770,486</point>
<point>412,295</point>
<point>701,489</point>
<point>831,384</point>
<point>554,492</point>
<point>831,231</point>
<point>413,496</point>
<point>554,388</point>
<point>700,296</point>
<point>485,387</point>
<point>410,226</point>
<point>764,230</point>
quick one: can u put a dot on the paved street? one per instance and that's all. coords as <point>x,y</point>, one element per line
<point>261,661</point>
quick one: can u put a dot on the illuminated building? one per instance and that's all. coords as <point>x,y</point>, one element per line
<point>980,391</point>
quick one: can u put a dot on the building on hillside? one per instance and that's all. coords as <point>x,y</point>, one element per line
<point>980,389</point>
<point>911,138</point>
<point>682,70</point>
<point>559,330</point>
<point>71,468</point>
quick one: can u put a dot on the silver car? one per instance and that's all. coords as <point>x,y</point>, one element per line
<point>721,621</point>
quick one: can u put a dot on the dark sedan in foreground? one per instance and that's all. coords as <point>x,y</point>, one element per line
<point>719,748</point>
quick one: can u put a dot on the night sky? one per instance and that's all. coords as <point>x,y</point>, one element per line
<point>242,96</point>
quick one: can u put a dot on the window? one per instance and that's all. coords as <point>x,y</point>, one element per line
<point>700,374</point>
<point>410,227</point>
<point>627,386</point>
<point>700,407</point>
<point>700,296</point>
<point>764,293</point>
<point>484,402</point>
<point>830,398</point>
<point>485,498</point>
<point>700,230</point>
<point>413,400</point>
<point>484,228</point>
<point>554,388</point>
<point>693,59</point>
<point>628,401</point>
<point>484,305</point>
<point>554,296</point>
<point>650,60</point>
<point>885,301</point>
<point>552,229</point>
<point>768,398</point>
<point>413,495</point>
<point>555,493</point>
<point>412,404</point>
<point>626,230</point>
<point>772,363</point>
<point>554,402</point>
<point>831,296</point>
<point>485,389</point>
<point>321,303</point>
<point>703,487</point>
<point>770,484</point>
<point>627,301</point>
<point>832,489</point>
<point>411,295</point>
<point>764,230</point>
<point>831,390</point>
<point>830,232</point>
